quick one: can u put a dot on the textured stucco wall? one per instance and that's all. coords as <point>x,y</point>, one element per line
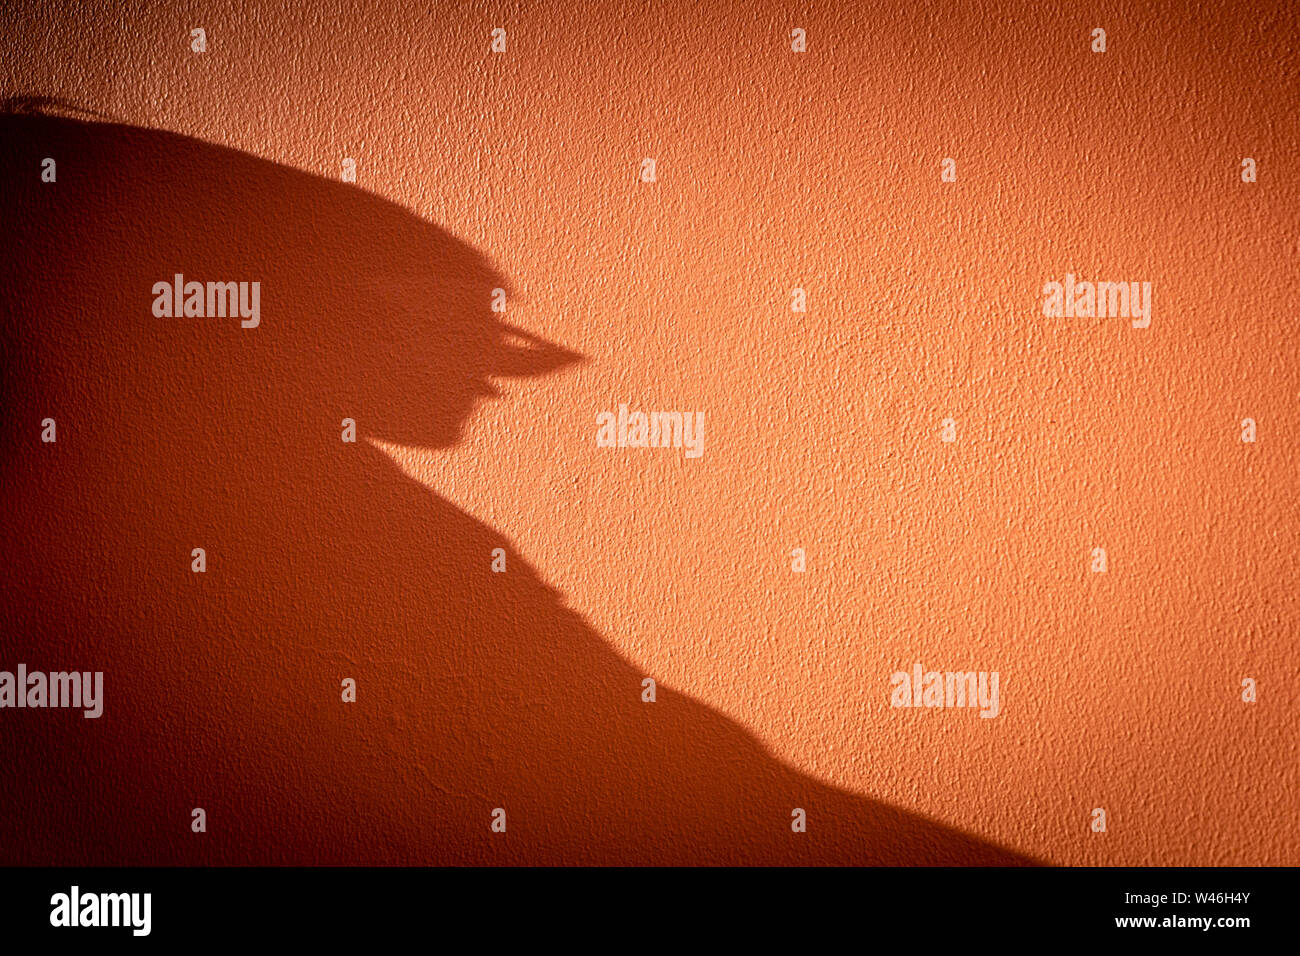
<point>775,170</point>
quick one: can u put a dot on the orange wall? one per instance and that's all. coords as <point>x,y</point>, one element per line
<point>822,171</point>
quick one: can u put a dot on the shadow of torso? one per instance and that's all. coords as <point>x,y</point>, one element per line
<point>475,690</point>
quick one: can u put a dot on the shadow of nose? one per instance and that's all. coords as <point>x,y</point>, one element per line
<point>521,354</point>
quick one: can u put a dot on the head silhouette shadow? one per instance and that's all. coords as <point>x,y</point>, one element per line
<point>368,308</point>
<point>321,562</point>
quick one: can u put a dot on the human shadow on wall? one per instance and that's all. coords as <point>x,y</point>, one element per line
<point>475,690</point>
